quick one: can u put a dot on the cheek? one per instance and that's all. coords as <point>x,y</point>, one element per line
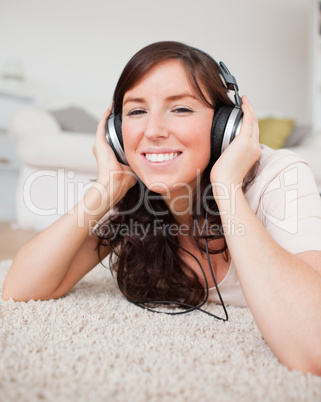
<point>207,139</point>
<point>203,155</point>
<point>131,135</point>
<point>200,139</point>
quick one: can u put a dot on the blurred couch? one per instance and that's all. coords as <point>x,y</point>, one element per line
<point>57,164</point>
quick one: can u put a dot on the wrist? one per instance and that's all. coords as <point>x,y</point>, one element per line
<point>117,183</point>
<point>106,193</point>
<point>225,195</point>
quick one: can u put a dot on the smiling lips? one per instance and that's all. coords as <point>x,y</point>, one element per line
<point>152,157</point>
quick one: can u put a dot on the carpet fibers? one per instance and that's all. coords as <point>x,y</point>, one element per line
<point>93,345</point>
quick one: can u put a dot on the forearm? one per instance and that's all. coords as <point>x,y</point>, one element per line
<point>43,262</point>
<point>282,291</point>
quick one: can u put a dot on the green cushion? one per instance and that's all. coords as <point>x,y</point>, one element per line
<point>275,132</point>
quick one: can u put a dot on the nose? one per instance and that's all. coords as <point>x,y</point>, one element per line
<point>155,127</point>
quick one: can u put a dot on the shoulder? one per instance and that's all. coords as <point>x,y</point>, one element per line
<point>272,161</point>
<point>278,168</point>
<point>285,198</point>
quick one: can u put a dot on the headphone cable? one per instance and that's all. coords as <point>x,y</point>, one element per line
<point>192,308</point>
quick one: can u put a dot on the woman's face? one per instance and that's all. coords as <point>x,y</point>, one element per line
<point>166,130</point>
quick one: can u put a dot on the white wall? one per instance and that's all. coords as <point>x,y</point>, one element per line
<point>78,48</point>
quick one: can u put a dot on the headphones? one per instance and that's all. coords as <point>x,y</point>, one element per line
<point>226,123</point>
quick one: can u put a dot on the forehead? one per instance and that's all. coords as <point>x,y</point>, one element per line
<point>165,76</point>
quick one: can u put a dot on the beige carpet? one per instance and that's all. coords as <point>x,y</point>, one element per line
<point>92,345</point>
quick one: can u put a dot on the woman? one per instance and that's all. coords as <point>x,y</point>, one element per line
<point>262,204</point>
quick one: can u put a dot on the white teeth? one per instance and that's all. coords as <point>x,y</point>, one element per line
<point>160,157</point>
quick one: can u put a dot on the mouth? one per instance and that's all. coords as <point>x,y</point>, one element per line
<point>161,157</point>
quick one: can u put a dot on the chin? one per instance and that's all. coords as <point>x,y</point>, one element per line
<point>163,190</point>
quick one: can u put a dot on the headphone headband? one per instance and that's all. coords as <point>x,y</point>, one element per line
<point>229,79</point>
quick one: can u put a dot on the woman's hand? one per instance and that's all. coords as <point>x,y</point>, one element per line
<point>110,171</point>
<point>238,158</point>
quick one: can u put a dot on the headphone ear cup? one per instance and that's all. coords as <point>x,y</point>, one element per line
<point>115,137</point>
<point>221,117</point>
<point>117,123</point>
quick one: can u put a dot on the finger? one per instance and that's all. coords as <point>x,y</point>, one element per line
<point>255,123</point>
<point>247,123</point>
<point>256,133</point>
<point>101,128</point>
<point>250,117</point>
<point>104,117</point>
<point>248,105</point>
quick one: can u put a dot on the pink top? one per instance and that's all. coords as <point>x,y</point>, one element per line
<point>285,198</point>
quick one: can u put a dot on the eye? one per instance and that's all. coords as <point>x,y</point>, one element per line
<point>135,112</point>
<point>182,110</point>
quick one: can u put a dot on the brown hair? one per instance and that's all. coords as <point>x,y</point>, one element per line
<point>199,67</point>
<point>149,267</point>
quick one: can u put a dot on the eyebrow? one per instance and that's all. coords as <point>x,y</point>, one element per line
<point>169,98</point>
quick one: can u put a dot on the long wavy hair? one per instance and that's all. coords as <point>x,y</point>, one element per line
<point>144,254</point>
